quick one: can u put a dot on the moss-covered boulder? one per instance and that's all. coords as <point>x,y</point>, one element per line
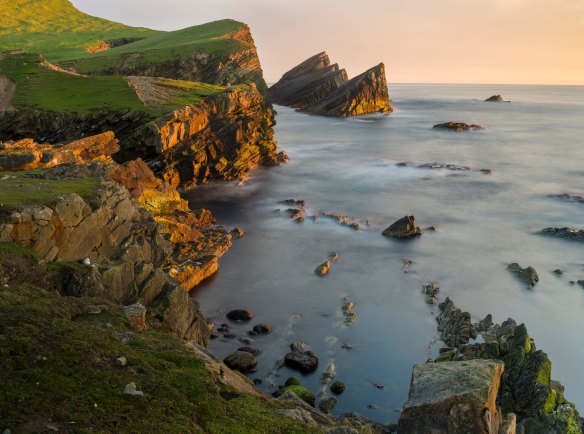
<point>300,391</point>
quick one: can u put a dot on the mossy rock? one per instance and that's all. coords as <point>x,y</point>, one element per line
<point>300,391</point>
<point>292,381</point>
<point>327,405</point>
<point>445,357</point>
<point>338,387</point>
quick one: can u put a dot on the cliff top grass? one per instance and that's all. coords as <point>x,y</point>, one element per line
<point>18,189</point>
<point>60,32</point>
<point>39,85</point>
<point>58,372</point>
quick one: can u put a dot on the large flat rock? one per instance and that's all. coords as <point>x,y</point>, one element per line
<point>453,397</point>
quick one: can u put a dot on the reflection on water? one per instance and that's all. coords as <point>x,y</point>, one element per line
<point>534,148</point>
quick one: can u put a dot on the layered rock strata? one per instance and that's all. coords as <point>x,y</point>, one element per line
<point>316,86</point>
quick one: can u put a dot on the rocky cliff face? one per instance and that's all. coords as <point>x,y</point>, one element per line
<point>221,138</point>
<point>308,83</point>
<point>317,87</point>
<point>366,93</point>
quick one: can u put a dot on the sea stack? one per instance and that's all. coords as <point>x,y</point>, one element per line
<point>315,86</point>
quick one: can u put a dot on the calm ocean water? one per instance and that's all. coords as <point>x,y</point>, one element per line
<point>534,146</point>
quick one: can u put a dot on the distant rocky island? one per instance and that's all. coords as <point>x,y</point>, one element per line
<point>317,87</point>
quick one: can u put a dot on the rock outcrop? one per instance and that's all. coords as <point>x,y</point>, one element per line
<point>26,154</point>
<point>527,275</point>
<point>315,86</point>
<point>221,138</point>
<point>367,93</point>
<point>564,233</point>
<point>526,386</point>
<point>496,98</point>
<point>453,397</point>
<point>458,126</point>
<point>404,228</point>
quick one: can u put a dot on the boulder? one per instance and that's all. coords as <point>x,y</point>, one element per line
<point>338,387</point>
<point>454,325</point>
<point>326,405</point>
<point>241,361</point>
<point>323,269</point>
<point>404,228</point>
<point>527,275</point>
<point>458,126</point>
<point>136,316</point>
<point>253,351</point>
<point>240,315</point>
<point>453,397</point>
<point>303,361</point>
<point>300,391</point>
<point>262,329</point>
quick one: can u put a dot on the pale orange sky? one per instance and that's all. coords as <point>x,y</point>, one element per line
<point>420,41</point>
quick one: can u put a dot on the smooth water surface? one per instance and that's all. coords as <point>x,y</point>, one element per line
<point>534,146</point>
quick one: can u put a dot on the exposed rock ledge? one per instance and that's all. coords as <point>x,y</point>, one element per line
<point>315,86</point>
<point>526,389</point>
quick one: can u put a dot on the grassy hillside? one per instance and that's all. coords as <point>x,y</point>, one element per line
<point>56,28</point>
<point>60,32</point>
<point>40,87</point>
<point>59,372</point>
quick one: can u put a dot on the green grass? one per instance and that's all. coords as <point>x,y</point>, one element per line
<point>191,92</point>
<point>56,28</point>
<point>58,367</point>
<point>16,249</point>
<point>41,88</point>
<point>169,46</point>
<point>18,189</point>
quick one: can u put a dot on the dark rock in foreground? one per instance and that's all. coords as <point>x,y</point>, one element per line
<point>453,397</point>
<point>404,228</point>
<point>458,126</point>
<point>527,275</point>
<point>317,87</point>
<point>303,361</point>
<point>564,233</point>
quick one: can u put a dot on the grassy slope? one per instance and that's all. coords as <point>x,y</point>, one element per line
<point>167,46</point>
<point>18,189</point>
<point>39,87</point>
<point>56,28</point>
<point>58,368</point>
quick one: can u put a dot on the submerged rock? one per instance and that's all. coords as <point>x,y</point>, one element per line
<point>262,329</point>
<point>323,269</point>
<point>242,361</point>
<point>527,275</point>
<point>564,233</point>
<point>317,87</point>
<point>458,126</point>
<point>495,98</point>
<point>303,361</point>
<point>404,228</point>
<point>453,397</point>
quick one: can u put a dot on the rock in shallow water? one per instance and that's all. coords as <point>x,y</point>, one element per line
<point>527,275</point>
<point>458,126</point>
<point>262,329</point>
<point>564,233</point>
<point>303,361</point>
<point>326,405</point>
<point>240,315</point>
<point>404,228</point>
<point>338,387</point>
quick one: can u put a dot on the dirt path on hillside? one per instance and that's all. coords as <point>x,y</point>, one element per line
<point>7,88</point>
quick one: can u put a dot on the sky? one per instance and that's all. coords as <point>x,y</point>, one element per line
<point>420,41</point>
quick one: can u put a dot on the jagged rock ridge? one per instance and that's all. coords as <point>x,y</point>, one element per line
<point>315,86</point>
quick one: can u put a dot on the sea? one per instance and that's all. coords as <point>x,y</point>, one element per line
<point>533,148</point>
